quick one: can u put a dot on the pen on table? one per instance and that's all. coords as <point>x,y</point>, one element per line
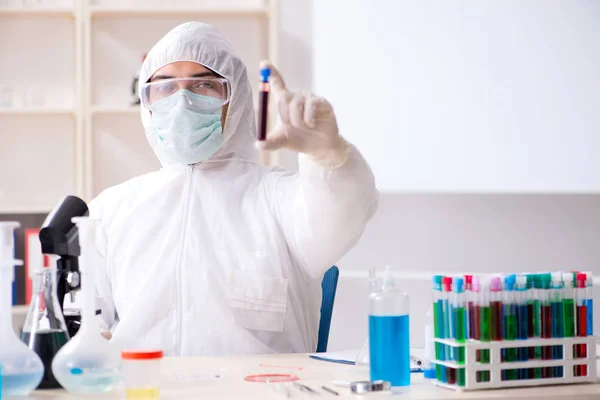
<point>325,388</point>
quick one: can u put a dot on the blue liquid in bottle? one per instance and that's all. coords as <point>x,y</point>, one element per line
<point>389,335</point>
<point>389,349</point>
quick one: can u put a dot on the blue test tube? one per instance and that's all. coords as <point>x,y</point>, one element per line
<point>589,302</point>
<point>556,297</point>
<point>523,320</point>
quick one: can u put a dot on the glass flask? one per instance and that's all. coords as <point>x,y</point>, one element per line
<point>22,369</point>
<point>45,331</point>
<point>89,363</point>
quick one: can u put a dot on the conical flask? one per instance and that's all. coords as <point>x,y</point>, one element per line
<point>22,369</point>
<point>89,363</point>
<point>45,331</point>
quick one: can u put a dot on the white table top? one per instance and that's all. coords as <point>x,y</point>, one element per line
<point>194,378</point>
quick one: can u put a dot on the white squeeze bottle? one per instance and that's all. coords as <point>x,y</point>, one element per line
<point>389,334</point>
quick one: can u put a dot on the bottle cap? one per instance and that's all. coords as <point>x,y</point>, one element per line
<point>429,373</point>
<point>509,282</point>
<point>530,281</point>
<point>568,279</point>
<point>574,276</point>
<point>388,279</point>
<point>476,286</point>
<point>581,279</point>
<point>468,282</point>
<point>265,73</point>
<point>457,284</point>
<point>537,281</point>
<point>447,283</point>
<point>496,284</point>
<point>522,282</point>
<point>557,281</point>
<point>141,354</point>
<point>545,280</point>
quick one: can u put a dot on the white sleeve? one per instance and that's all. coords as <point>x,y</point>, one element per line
<point>323,212</point>
<point>104,299</point>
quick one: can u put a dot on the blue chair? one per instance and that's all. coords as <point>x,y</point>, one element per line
<point>329,286</point>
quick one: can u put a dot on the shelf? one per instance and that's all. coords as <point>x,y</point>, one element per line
<point>170,12</point>
<point>131,110</point>
<point>36,111</point>
<point>51,12</point>
<point>24,210</point>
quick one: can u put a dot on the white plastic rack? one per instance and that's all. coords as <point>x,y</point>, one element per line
<point>496,366</point>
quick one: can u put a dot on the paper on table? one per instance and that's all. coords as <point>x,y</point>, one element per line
<point>187,376</point>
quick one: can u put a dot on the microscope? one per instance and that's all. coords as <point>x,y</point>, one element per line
<point>60,238</point>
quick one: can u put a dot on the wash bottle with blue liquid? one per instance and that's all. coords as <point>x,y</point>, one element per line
<point>389,334</point>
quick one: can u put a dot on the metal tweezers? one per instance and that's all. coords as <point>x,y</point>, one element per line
<point>306,389</point>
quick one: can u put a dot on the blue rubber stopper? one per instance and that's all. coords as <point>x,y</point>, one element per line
<point>264,74</point>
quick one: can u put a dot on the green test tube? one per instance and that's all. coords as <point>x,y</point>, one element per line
<point>568,302</point>
<point>459,309</point>
<point>537,321</point>
<point>485,325</point>
<point>438,327</point>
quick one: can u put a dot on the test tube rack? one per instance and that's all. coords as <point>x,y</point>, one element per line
<point>495,366</point>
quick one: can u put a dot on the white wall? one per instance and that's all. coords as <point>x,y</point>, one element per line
<point>464,95</point>
<point>450,233</point>
<point>423,234</point>
<point>295,54</point>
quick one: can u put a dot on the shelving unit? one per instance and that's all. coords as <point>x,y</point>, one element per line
<point>34,11</point>
<point>87,133</point>
<point>224,12</point>
<point>133,110</point>
<point>37,111</point>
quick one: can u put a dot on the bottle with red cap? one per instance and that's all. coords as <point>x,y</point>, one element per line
<point>141,373</point>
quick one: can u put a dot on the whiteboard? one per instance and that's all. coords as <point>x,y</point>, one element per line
<point>465,96</point>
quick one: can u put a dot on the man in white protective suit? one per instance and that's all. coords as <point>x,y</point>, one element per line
<point>215,254</point>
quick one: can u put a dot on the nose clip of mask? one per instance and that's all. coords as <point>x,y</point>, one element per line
<point>186,97</point>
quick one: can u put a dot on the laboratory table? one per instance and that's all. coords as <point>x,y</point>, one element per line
<point>223,378</point>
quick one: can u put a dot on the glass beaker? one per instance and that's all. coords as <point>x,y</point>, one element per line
<point>21,368</point>
<point>45,331</point>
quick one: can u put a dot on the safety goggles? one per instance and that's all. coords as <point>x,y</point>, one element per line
<point>217,89</point>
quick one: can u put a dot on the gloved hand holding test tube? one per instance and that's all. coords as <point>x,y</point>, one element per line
<point>306,123</point>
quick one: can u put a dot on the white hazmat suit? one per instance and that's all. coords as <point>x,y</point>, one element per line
<point>226,256</point>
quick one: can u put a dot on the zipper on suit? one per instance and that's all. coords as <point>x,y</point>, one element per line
<point>184,223</point>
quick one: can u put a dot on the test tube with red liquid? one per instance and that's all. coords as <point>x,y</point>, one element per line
<point>263,103</point>
<point>581,322</point>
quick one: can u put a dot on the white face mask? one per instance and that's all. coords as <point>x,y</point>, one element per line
<point>185,127</point>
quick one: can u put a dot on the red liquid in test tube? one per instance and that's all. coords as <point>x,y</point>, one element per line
<point>581,317</point>
<point>496,307</point>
